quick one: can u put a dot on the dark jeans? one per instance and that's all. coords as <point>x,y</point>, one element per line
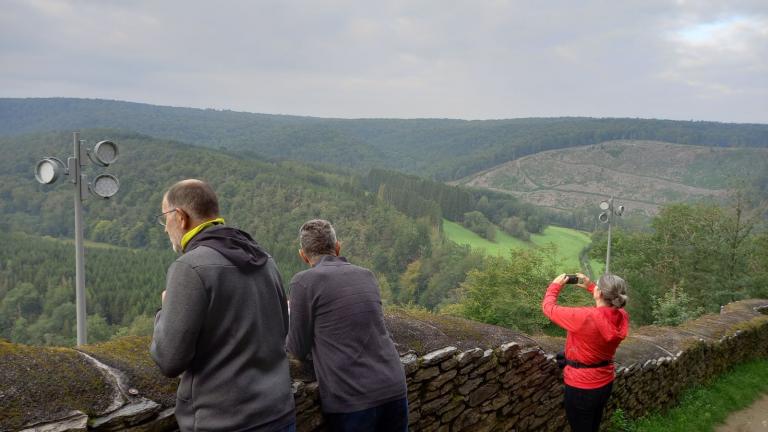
<point>388,417</point>
<point>290,428</point>
<point>584,408</point>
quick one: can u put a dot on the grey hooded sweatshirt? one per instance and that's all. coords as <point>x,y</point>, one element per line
<point>223,327</point>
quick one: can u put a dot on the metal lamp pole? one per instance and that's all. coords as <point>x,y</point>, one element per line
<point>48,170</point>
<point>75,167</point>
<point>607,217</point>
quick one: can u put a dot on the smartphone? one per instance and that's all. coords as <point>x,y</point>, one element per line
<point>572,279</point>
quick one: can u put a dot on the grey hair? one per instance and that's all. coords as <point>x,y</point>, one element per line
<point>195,197</point>
<point>317,237</point>
<point>613,290</point>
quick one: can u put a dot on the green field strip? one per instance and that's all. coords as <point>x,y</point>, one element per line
<point>569,243</point>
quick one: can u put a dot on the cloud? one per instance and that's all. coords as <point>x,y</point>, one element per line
<point>423,58</point>
<point>722,57</point>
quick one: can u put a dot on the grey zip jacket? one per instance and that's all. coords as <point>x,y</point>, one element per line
<point>222,327</point>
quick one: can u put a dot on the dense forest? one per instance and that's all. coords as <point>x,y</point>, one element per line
<point>438,148</point>
<point>37,289</point>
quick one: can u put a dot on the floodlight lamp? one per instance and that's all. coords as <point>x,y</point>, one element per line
<point>104,153</point>
<point>49,170</point>
<point>104,186</point>
<point>605,205</point>
<point>603,217</point>
<point>620,210</point>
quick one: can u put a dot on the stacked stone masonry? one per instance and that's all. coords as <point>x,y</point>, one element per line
<point>516,386</point>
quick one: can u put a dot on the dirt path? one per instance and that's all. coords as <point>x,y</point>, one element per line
<point>751,419</point>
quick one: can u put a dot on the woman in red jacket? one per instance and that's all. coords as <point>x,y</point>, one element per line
<point>594,333</point>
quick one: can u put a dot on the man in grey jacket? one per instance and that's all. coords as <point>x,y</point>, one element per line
<point>336,316</point>
<point>223,322</point>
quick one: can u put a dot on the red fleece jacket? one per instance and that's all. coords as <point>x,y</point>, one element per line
<point>594,333</point>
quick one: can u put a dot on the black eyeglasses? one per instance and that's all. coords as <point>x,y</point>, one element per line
<point>161,217</point>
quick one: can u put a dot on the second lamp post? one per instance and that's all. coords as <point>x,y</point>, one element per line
<point>609,211</point>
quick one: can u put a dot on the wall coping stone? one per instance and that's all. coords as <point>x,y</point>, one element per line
<point>438,356</point>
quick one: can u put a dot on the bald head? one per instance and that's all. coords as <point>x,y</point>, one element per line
<point>194,197</point>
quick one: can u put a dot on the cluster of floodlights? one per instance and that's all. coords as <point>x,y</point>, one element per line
<point>104,153</point>
<point>49,170</point>
<point>608,210</point>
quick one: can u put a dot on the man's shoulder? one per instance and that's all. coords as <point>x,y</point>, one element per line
<point>305,277</point>
<point>329,272</point>
<point>298,277</point>
<point>202,256</point>
<point>360,269</point>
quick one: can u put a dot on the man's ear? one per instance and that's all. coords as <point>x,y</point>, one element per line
<point>303,256</point>
<point>337,248</point>
<point>184,220</point>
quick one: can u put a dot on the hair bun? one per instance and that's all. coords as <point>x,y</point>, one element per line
<point>619,301</point>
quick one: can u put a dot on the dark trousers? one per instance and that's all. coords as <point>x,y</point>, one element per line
<point>584,408</point>
<point>290,428</point>
<point>388,417</point>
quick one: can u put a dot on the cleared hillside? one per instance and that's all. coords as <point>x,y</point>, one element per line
<point>642,174</point>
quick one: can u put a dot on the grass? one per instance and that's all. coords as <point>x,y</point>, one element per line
<point>703,408</point>
<point>504,242</point>
<point>569,243</point>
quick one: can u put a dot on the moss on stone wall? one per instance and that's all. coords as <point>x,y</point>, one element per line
<point>422,331</point>
<point>38,383</point>
<point>131,356</point>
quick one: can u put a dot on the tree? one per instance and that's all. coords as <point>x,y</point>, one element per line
<point>23,301</point>
<point>515,227</point>
<point>479,224</point>
<point>757,266</point>
<point>142,325</point>
<point>509,291</point>
<point>674,308</point>
<point>98,329</point>
<point>410,281</point>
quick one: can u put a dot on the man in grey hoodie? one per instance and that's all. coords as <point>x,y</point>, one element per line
<point>223,322</point>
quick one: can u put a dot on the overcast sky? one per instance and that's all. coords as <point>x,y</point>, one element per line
<point>472,59</point>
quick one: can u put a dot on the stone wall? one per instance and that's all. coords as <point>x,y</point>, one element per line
<point>494,386</point>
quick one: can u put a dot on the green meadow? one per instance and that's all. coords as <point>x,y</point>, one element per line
<point>569,243</point>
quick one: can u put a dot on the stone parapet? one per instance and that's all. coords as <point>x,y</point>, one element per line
<point>491,386</point>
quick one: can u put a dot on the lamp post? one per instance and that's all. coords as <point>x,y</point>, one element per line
<point>48,170</point>
<point>607,217</point>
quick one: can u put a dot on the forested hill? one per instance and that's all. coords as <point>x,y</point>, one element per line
<point>269,199</point>
<point>439,148</point>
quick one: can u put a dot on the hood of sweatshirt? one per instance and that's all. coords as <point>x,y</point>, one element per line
<point>612,323</point>
<point>236,245</point>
